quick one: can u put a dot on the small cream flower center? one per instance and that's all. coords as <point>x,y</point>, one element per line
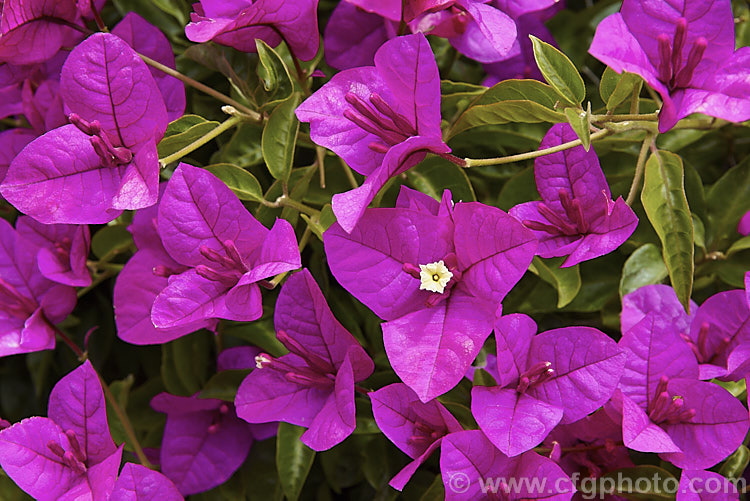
<point>434,276</point>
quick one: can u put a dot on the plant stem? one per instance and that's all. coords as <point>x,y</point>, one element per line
<point>225,125</point>
<point>202,87</point>
<point>79,353</point>
<point>97,280</point>
<point>650,117</point>
<point>349,174</point>
<point>320,156</point>
<point>284,201</point>
<point>126,424</point>
<point>639,167</point>
<point>481,162</point>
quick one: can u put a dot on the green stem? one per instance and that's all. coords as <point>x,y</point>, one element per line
<point>320,156</point>
<point>482,162</point>
<point>349,174</point>
<point>225,125</point>
<point>97,280</point>
<point>639,167</point>
<point>635,101</point>
<point>79,353</point>
<point>202,87</point>
<point>649,117</point>
<point>126,424</point>
<point>284,201</point>
<point>100,265</point>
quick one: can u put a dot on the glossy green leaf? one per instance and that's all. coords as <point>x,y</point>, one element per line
<point>666,206</point>
<point>483,378</point>
<point>616,88</point>
<point>223,385</point>
<point>559,71</point>
<point>645,482</point>
<point>436,490</point>
<point>645,266</point>
<point>436,174</point>
<point>740,245</point>
<point>736,464</point>
<point>240,181</point>
<point>243,149</point>
<point>580,121</point>
<point>277,84</point>
<point>111,240</point>
<point>320,225</point>
<point>182,132</point>
<point>726,202</point>
<point>280,138</point>
<point>567,281</point>
<point>121,391</point>
<point>527,101</point>
<point>293,460</point>
<point>185,363</point>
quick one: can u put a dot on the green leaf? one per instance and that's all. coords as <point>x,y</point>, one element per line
<point>240,181</point>
<point>293,460</point>
<point>567,281</point>
<point>436,490</point>
<point>280,137</point>
<point>274,75</point>
<point>183,131</point>
<point>559,71</point>
<point>615,88</point>
<point>436,174</point>
<point>223,385</point>
<point>580,121</point>
<point>740,245</point>
<point>666,206</point>
<point>736,464</point>
<point>243,149</point>
<point>174,8</point>
<point>726,202</point>
<point>640,482</point>
<point>319,226</point>
<point>111,239</point>
<point>644,267</point>
<point>483,378</point>
<point>121,391</point>
<point>527,101</point>
<point>185,362</point>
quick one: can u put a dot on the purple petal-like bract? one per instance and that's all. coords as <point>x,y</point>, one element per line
<point>576,217</point>
<point>138,483</point>
<point>413,426</point>
<point>685,51</point>
<point>431,337</point>
<point>204,441</point>
<point>104,162</point>
<point>30,304</point>
<point>473,469</point>
<point>147,39</point>
<point>560,375</point>
<point>381,120</point>
<point>70,454</point>
<point>699,485</point>
<point>32,31</point>
<point>313,386</point>
<point>205,228</point>
<point>238,24</point>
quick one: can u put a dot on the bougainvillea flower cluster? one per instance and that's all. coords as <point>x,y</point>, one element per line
<point>381,120</point>
<point>684,51</point>
<point>576,217</point>
<point>407,255</point>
